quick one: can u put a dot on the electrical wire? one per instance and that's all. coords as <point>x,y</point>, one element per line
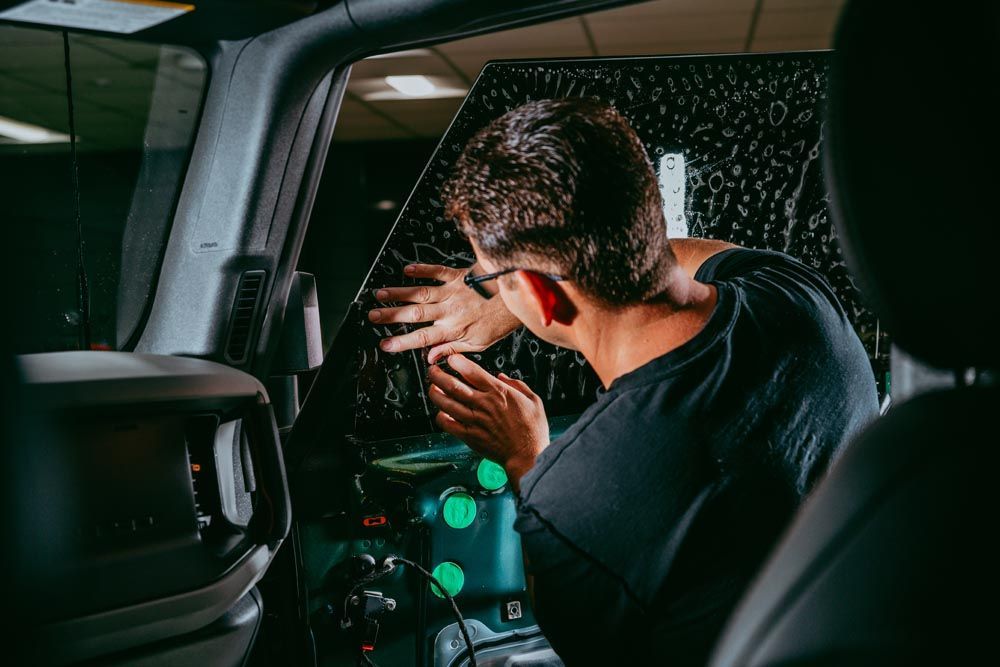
<point>454,607</point>
<point>83,291</point>
<point>388,566</point>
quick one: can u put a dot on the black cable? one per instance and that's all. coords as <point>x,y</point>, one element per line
<point>454,607</point>
<point>83,292</point>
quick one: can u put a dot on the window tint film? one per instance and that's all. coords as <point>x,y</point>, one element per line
<point>135,106</point>
<point>736,142</point>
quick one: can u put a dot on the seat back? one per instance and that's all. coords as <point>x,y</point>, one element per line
<point>891,561</point>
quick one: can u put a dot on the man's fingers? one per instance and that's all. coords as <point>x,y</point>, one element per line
<point>446,403</point>
<point>415,294</point>
<point>473,373</point>
<point>452,386</point>
<point>449,424</point>
<point>520,385</point>
<point>433,271</point>
<point>407,314</point>
<point>470,435</point>
<point>414,340</point>
<point>439,352</point>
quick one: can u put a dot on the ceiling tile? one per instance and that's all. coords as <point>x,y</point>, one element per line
<point>30,56</point>
<point>429,118</point>
<point>567,34</point>
<point>429,65</point>
<point>133,53</point>
<point>12,86</point>
<point>663,8</point>
<point>377,89</point>
<point>128,102</point>
<point>614,32</point>
<point>41,109</point>
<point>117,79</point>
<point>661,48</point>
<point>652,28</point>
<point>358,121</point>
<point>472,64</point>
<point>10,34</point>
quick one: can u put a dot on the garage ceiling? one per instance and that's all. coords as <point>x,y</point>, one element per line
<point>113,79</point>
<point>651,28</point>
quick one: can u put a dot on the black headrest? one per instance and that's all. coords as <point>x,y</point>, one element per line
<point>913,163</point>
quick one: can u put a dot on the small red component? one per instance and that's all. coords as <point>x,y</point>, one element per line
<point>195,467</point>
<point>372,521</point>
<point>367,647</point>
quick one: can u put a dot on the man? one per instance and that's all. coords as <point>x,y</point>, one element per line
<point>730,379</point>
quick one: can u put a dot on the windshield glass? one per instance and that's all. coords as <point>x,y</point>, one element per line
<point>135,108</point>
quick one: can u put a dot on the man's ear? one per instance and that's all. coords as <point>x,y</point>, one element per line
<point>549,297</point>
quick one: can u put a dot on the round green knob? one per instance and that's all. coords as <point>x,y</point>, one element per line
<point>459,510</point>
<point>491,475</point>
<point>450,576</point>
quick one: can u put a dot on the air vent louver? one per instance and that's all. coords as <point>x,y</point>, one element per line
<point>241,326</point>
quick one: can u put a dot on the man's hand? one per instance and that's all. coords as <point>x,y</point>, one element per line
<point>498,417</point>
<point>462,320</point>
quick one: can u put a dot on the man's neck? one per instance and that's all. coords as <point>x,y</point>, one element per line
<point>618,341</point>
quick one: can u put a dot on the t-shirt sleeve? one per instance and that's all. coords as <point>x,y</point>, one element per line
<point>769,270</point>
<point>577,602</point>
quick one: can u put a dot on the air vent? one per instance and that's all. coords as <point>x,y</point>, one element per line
<point>241,326</point>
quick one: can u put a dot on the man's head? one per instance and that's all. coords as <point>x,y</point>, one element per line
<point>563,187</point>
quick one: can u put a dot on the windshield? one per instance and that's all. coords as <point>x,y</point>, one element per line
<point>135,109</point>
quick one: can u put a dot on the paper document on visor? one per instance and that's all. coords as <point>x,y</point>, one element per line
<point>120,16</point>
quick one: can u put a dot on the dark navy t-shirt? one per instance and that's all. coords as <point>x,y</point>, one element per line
<point>645,521</point>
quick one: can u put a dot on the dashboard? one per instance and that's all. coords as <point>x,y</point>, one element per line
<point>151,497</point>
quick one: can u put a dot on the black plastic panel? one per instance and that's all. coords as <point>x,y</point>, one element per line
<point>127,527</point>
<point>736,141</point>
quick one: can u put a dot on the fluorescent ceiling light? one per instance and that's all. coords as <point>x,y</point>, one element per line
<point>411,85</point>
<point>26,133</point>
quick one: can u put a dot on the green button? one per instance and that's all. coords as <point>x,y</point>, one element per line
<point>491,475</point>
<point>459,510</point>
<point>451,577</point>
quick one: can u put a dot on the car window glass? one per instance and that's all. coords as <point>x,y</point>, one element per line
<point>736,142</point>
<point>135,106</point>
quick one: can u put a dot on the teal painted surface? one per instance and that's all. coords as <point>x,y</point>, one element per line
<point>418,474</point>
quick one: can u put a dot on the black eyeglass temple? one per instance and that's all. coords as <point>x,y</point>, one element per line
<point>476,282</point>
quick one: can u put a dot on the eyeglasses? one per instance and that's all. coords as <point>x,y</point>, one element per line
<point>476,282</point>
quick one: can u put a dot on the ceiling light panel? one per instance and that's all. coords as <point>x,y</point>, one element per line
<point>408,87</point>
<point>411,85</point>
<point>18,132</point>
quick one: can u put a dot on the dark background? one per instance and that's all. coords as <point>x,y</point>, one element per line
<point>347,229</point>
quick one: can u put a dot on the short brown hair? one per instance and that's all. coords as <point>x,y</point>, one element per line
<point>565,186</point>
